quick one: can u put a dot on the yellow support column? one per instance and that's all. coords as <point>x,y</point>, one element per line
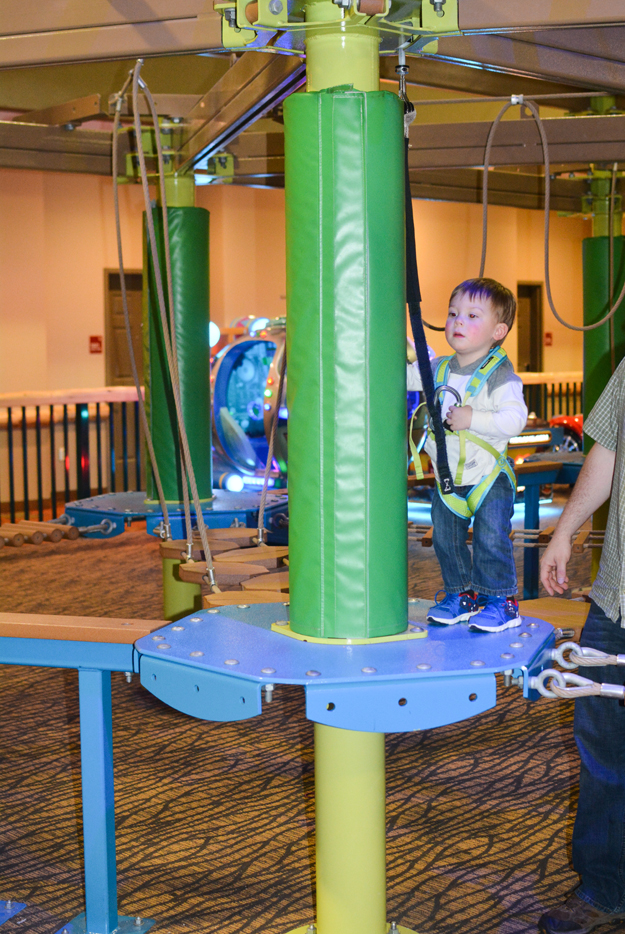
<point>350,806</point>
<point>345,54</point>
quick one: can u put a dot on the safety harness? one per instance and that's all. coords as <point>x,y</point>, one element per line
<point>466,507</point>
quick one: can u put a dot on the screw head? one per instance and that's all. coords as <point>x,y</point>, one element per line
<point>477,663</point>
<point>163,645</point>
<point>275,7</point>
<point>413,628</point>
<point>525,635</point>
<point>367,670</point>
<point>243,606</point>
<point>177,628</point>
<point>197,619</point>
<point>268,671</point>
<point>214,609</point>
<point>157,638</point>
<point>282,622</point>
<point>516,645</point>
<point>532,625</point>
<point>424,666</point>
<point>506,655</point>
<point>312,673</point>
<point>412,599</point>
<point>196,654</point>
<point>231,661</point>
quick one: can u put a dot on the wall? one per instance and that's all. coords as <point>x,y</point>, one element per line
<point>58,235</point>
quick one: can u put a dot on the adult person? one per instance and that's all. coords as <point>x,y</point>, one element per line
<point>599,724</point>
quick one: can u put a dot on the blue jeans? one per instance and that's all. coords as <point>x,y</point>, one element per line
<point>599,832</point>
<point>492,571</point>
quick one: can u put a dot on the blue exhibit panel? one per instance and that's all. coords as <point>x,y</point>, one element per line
<point>200,693</point>
<point>400,706</point>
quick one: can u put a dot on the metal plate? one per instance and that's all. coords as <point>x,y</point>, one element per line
<point>8,909</point>
<point>243,635</point>
<point>200,693</point>
<point>125,925</point>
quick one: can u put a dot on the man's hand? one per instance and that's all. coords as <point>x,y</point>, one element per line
<point>553,564</point>
<point>459,417</point>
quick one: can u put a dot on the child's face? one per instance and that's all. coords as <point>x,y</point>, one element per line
<point>472,326</point>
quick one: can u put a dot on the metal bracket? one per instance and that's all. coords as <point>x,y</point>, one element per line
<point>200,693</point>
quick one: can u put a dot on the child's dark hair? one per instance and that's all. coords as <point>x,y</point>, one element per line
<point>501,298</point>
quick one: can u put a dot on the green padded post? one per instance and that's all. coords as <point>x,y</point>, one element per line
<point>597,368</point>
<point>597,357</point>
<point>346,338</point>
<point>188,237</point>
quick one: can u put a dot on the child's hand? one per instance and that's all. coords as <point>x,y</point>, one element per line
<point>459,417</point>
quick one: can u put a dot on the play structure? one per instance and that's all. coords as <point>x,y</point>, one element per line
<point>338,623</point>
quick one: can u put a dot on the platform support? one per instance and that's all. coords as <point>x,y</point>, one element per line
<point>98,804</point>
<point>350,807</point>
<point>179,597</point>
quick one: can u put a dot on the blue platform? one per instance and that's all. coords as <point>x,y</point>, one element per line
<point>121,508</point>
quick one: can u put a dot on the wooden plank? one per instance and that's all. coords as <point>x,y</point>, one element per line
<point>177,549</point>
<point>76,628</point>
<point>270,556</point>
<point>68,396</point>
<point>580,540</point>
<point>227,575</point>
<point>278,581</point>
<point>426,541</point>
<point>564,614</point>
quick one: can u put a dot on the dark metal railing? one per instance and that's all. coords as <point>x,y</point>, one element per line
<point>101,439</point>
<point>548,395</point>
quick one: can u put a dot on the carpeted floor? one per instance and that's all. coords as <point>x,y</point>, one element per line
<point>215,822</point>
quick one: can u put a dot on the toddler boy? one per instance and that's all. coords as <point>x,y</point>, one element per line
<point>481,313</point>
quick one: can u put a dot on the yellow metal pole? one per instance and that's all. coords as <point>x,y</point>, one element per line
<point>346,54</point>
<point>350,805</point>
<point>179,597</point>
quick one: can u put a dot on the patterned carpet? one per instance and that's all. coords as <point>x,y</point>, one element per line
<point>215,821</point>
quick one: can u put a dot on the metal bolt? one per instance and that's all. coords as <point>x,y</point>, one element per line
<point>286,604</point>
<point>128,676</point>
<point>368,670</point>
<point>157,638</point>
<point>311,929</point>
<point>275,7</point>
<point>243,606</point>
<point>413,599</point>
<point>8,904</point>
<point>525,635</point>
<point>415,628</point>
<point>506,655</point>
<point>177,628</point>
<point>516,645</point>
<point>214,610</point>
<point>163,645</point>
<point>477,663</point>
<point>196,654</point>
<point>312,673</point>
<point>197,619</point>
<point>138,921</point>
<point>532,625</point>
<point>269,692</point>
<point>438,7</point>
<point>393,927</point>
<point>268,671</point>
<point>424,666</point>
<point>231,661</point>
<point>282,622</point>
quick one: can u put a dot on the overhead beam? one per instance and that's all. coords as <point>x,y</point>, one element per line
<point>571,139</point>
<point>506,15</point>
<point>532,59</point>
<point>71,112</point>
<point>504,188</point>
<point>55,150</point>
<point>255,84</point>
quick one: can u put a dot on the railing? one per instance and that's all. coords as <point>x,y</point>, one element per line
<point>70,444</point>
<point>551,394</point>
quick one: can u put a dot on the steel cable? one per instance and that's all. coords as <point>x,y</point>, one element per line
<point>520,101</point>
<point>188,472</point>
<point>166,531</point>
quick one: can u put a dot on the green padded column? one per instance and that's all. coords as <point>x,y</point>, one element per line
<point>597,369</point>
<point>346,337</point>
<point>188,236</point>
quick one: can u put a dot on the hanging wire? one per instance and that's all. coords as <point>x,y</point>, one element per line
<point>272,439</point>
<point>166,528</point>
<point>515,101</point>
<point>611,263</point>
<point>188,472</point>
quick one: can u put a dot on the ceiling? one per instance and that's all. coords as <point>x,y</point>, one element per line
<point>61,62</point>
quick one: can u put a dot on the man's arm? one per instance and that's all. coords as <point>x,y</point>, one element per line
<point>591,490</point>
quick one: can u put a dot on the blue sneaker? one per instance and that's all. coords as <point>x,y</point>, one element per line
<point>500,613</point>
<point>453,608</point>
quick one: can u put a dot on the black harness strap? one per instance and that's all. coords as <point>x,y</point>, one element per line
<point>413,297</point>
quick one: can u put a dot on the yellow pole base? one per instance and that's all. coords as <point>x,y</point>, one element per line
<point>350,808</point>
<point>179,598</point>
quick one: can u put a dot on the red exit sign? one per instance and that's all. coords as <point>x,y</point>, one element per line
<point>96,343</point>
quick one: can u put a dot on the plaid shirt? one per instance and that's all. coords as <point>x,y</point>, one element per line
<point>606,425</point>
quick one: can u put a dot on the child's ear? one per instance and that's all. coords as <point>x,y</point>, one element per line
<point>500,331</point>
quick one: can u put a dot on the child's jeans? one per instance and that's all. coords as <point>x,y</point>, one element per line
<point>493,572</point>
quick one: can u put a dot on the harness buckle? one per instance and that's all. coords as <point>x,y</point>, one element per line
<point>446,485</point>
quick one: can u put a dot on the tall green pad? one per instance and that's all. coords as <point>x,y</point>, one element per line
<point>597,368</point>
<point>188,239</point>
<point>346,338</point>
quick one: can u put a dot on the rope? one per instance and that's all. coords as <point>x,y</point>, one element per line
<point>515,101</point>
<point>567,693</point>
<point>611,263</point>
<point>166,530</point>
<point>188,472</point>
<point>272,439</point>
<point>413,296</point>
